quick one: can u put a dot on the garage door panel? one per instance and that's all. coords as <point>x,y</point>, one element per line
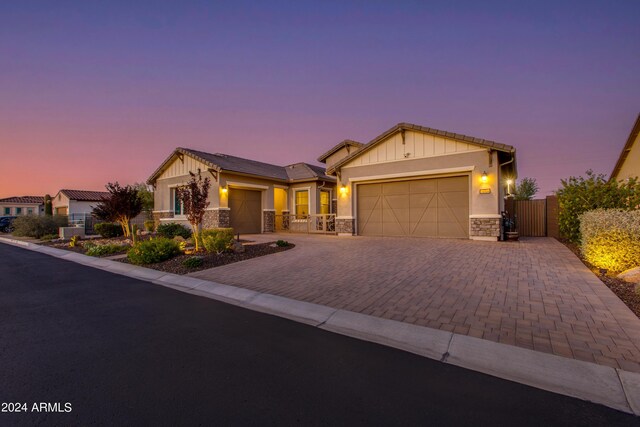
<point>435,207</point>
<point>245,211</point>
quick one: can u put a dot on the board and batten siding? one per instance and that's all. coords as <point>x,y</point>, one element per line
<point>183,167</point>
<point>417,145</point>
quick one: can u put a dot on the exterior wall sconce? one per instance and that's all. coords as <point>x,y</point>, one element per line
<point>344,190</point>
<point>509,182</point>
<point>224,190</point>
<point>484,178</point>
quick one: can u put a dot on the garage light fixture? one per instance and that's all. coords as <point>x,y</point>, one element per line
<point>484,178</point>
<point>343,190</point>
<point>224,190</point>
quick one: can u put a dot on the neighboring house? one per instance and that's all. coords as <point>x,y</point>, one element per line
<point>245,194</point>
<point>76,202</point>
<point>25,205</point>
<point>409,181</point>
<point>628,164</point>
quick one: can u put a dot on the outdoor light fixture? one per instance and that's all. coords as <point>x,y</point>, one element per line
<point>509,182</point>
<point>343,190</point>
<point>225,190</point>
<point>484,178</point>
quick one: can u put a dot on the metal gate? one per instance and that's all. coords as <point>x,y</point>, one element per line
<point>531,217</point>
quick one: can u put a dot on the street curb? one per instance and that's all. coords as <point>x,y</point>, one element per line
<point>611,387</point>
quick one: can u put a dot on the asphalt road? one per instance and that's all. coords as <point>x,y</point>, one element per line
<point>123,351</point>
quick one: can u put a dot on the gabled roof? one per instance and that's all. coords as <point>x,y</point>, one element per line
<point>431,131</point>
<point>346,143</point>
<point>24,199</point>
<point>227,163</point>
<point>84,195</point>
<point>627,148</point>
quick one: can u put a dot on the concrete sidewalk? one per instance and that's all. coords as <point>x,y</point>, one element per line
<point>615,388</point>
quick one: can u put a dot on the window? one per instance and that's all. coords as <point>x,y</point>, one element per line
<point>302,202</point>
<point>176,204</point>
<point>7,211</point>
<point>325,202</point>
<point>30,211</point>
<point>18,211</point>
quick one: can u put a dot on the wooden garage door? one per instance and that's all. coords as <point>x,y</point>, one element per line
<point>436,207</point>
<point>245,210</point>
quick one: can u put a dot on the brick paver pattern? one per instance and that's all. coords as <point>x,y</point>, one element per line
<point>534,294</point>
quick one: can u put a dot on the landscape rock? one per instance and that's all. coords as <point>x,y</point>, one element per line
<point>237,247</point>
<point>632,275</point>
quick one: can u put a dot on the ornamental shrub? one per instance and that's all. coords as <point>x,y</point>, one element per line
<point>172,229</point>
<point>217,240</point>
<point>153,251</point>
<point>579,195</point>
<point>282,243</point>
<point>611,238</point>
<point>150,225</point>
<point>102,250</point>
<point>193,262</point>
<point>38,226</point>
<point>108,229</point>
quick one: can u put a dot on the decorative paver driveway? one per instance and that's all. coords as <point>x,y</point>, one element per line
<point>534,294</point>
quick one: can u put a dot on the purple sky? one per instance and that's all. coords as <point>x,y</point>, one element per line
<point>92,92</point>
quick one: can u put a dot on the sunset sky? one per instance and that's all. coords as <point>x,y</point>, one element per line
<point>92,92</point>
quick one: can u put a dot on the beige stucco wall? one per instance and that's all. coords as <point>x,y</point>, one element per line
<point>471,163</point>
<point>37,209</point>
<point>631,166</point>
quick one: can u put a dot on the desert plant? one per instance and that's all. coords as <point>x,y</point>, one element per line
<point>150,225</point>
<point>153,251</point>
<point>49,237</point>
<point>102,250</point>
<point>217,240</point>
<point>282,243</point>
<point>122,204</point>
<point>611,238</point>
<point>38,226</point>
<point>134,233</point>
<point>48,207</point>
<point>582,194</point>
<point>193,262</point>
<point>526,189</point>
<point>172,229</point>
<point>194,199</point>
<point>108,230</point>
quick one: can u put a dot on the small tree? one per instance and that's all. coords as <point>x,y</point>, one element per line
<point>48,207</point>
<point>146,195</point>
<point>122,204</point>
<point>194,199</point>
<point>527,188</point>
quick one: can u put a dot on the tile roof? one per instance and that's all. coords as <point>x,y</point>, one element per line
<point>408,126</point>
<point>24,199</point>
<point>225,162</point>
<point>345,143</point>
<point>85,195</point>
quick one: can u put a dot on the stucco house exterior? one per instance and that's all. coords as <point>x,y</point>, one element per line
<point>23,205</point>
<point>628,164</point>
<point>245,194</point>
<point>76,202</point>
<point>408,181</point>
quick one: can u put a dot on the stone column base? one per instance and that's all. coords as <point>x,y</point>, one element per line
<point>345,226</point>
<point>158,215</point>
<point>216,218</point>
<point>269,220</point>
<point>487,228</point>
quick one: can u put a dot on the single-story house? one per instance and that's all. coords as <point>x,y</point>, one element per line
<point>23,205</point>
<point>628,164</point>
<point>76,203</point>
<point>245,194</point>
<point>409,181</point>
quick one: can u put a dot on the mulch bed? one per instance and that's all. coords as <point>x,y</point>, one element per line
<point>623,289</point>
<point>174,265</point>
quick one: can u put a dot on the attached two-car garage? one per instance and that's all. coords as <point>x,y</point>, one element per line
<point>428,207</point>
<point>245,211</point>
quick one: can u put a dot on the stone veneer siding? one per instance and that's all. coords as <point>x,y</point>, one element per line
<point>485,227</point>
<point>269,221</point>
<point>286,220</point>
<point>217,218</point>
<point>158,215</point>
<point>345,225</point>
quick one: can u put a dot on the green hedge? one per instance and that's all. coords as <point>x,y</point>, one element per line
<point>153,251</point>
<point>102,250</point>
<point>611,238</point>
<point>38,226</point>
<point>172,229</point>
<point>108,229</point>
